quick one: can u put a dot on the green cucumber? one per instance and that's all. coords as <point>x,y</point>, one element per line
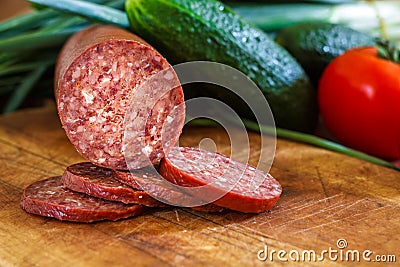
<point>316,44</point>
<point>189,30</point>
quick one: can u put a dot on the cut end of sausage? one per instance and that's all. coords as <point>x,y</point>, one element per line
<point>150,133</point>
<point>100,182</point>
<point>50,198</point>
<point>148,179</point>
<point>102,84</point>
<point>216,178</point>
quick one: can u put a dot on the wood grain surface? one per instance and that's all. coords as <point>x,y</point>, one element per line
<point>326,197</point>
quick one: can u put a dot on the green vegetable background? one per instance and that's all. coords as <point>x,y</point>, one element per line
<point>238,33</point>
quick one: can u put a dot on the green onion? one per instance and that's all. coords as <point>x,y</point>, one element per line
<point>5,89</point>
<point>20,93</point>
<point>28,21</point>
<point>26,67</point>
<point>62,23</point>
<point>359,15</point>
<point>7,60</point>
<point>89,10</point>
<point>294,1</point>
<point>38,18</point>
<point>31,41</point>
<point>10,81</point>
<point>274,17</point>
<point>362,16</point>
<point>317,141</point>
<point>303,138</point>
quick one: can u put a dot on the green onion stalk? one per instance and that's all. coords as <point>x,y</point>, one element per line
<point>377,18</point>
<point>29,44</point>
<point>303,138</point>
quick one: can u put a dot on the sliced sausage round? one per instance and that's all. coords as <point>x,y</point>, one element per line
<point>50,198</point>
<point>230,184</point>
<point>157,188</point>
<point>96,181</point>
<point>101,78</point>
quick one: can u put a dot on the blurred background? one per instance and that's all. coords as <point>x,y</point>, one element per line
<point>10,8</point>
<point>19,59</point>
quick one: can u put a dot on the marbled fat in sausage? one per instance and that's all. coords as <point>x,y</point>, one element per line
<point>96,181</point>
<point>238,186</point>
<point>161,190</point>
<point>99,73</point>
<point>100,182</point>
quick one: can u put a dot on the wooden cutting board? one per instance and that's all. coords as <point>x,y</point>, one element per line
<point>326,197</point>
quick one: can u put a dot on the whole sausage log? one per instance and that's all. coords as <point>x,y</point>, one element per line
<point>101,76</point>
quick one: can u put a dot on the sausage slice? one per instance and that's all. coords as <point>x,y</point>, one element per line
<point>50,198</point>
<point>161,190</point>
<point>230,184</point>
<point>99,182</point>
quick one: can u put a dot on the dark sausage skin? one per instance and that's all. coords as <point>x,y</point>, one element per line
<point>161,190</point>
<point>100,182</point>
<point>50,198</point>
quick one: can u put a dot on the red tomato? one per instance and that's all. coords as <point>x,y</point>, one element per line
<point>359,100</point>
